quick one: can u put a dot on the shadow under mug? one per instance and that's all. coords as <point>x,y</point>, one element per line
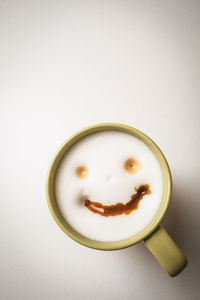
<point>154,236</point>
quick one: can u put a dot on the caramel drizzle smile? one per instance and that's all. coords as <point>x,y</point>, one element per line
<point>119,208</point>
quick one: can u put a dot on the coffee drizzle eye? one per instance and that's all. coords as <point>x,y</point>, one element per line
<point>132,166</point>
<point>119,208</point>
<point>81,172</point>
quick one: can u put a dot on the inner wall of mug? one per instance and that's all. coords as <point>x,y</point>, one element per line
<point>51,199</point>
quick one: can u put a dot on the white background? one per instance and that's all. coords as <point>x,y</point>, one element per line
<point>68,64</point>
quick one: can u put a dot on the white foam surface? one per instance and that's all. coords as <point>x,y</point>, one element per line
<point>107,182</point>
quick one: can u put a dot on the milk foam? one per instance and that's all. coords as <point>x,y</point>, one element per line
<point>107,182</point>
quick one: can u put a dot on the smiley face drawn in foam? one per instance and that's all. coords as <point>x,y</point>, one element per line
<point>131,166</point>
<point>106,181</point>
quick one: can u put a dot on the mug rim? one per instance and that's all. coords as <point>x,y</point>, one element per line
<point>153,224</point>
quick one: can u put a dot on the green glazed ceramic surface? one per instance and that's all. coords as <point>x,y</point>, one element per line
<point>50,182</point>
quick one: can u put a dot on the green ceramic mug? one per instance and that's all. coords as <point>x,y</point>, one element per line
<point>154,236</point>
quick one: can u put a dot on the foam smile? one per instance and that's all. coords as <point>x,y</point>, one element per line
<point>119,208</point>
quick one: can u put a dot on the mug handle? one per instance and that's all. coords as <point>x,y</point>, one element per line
<point>164,249</point>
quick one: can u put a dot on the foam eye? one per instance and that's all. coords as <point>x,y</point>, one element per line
<point>132,166</point>
<point>81,172</point>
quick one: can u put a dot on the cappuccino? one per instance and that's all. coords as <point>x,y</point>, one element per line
<point>109,186</point>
